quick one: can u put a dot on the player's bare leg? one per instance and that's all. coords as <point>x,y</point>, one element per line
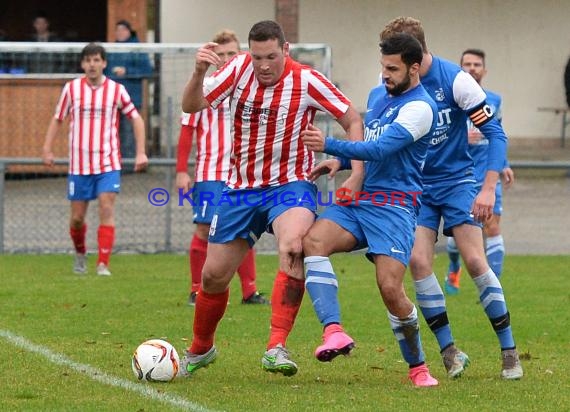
<point>197,258</point>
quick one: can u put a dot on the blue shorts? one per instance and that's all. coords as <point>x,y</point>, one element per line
<point>451,203</point>
<point>247,213</point>
<point>205,197</point>
<point>89,187</point>
<point>385,230</point>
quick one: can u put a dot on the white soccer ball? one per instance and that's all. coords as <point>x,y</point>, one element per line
<point>155,360</point>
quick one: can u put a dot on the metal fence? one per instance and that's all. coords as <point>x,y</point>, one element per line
<point>34,213</point>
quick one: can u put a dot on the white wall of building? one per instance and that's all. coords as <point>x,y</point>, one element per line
<point>196,21</point>
<point>527,43</point>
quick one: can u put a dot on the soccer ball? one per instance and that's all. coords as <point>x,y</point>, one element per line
<point>155,360</point>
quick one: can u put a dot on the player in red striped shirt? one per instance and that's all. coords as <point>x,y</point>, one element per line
<point>93,103</point>
<point>214,145</point>
<point>272,99</point>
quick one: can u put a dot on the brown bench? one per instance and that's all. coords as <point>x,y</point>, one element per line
<point>565,120</point>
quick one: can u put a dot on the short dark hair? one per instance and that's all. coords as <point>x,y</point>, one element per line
<point>93,49</point>
<point>267,30</point>
<point>405,45</point>
<point>476,52</point>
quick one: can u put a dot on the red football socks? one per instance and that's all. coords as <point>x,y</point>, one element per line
<point>285,303</point>
<point>208,312</point>
<point>105,239</point>
<point>78,238</point>
<point>246,272</point>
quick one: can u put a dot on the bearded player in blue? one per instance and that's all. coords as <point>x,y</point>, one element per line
<point>473,62</point>
<point>451,193</point>
<point>399,122</point>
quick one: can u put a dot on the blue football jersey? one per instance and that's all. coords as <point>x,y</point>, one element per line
<point>480,150</point>
<point>396,134</point>
<point>457,95</point>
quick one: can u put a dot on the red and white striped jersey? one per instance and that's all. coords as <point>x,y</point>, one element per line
<point>213,143</point>
<point>94,123</point>
<point>267,121</point>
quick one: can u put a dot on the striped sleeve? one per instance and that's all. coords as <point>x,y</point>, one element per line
<point>64,103</point>
<point>127,107</point>
<point>220,85</point>
<point>324,95</point>
<point>184,148</point>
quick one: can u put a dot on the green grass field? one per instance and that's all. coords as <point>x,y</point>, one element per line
<point>67,342</point>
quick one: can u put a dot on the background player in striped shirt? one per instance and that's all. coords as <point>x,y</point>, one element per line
<point>473,62</point>
<point>213,150</point>
<point>272,99</point>
<point>400,119</point>
<point>451,194</point>
<point>93,103</point>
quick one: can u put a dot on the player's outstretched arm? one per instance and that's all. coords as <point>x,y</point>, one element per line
<point>351,122</point>
<point>313,138</point>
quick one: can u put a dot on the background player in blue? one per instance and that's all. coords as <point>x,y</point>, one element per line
<point>399,121</point>
<point>473,62</point>
<point>450,193</point>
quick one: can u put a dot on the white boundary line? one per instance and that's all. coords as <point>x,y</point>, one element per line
<point>100,376</point>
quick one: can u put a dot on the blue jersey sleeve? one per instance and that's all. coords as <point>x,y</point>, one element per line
<point>392,140</point>
<point>497,155</point>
